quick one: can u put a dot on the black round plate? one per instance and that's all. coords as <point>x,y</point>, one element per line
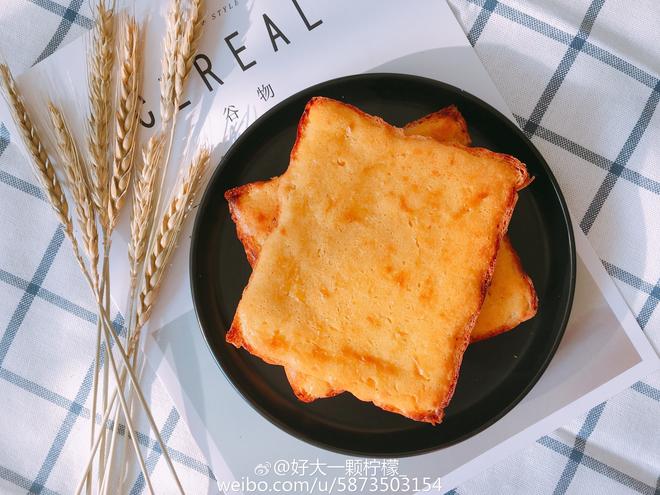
<point>496,373</point>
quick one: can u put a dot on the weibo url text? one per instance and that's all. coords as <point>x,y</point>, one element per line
<point>337,484</point>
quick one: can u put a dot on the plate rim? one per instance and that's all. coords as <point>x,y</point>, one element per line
<point>572,268</point>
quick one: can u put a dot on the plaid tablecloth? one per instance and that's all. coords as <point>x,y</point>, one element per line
<point>583,80</point>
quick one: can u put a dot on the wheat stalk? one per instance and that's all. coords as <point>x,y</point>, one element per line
<point>189,43</point>
<point>45,173</point>
<point>105,194</point>
<point>169,227</point>
<point>75,174</point>
<point>126,117</point>
<point>126,130</point>
<point>143,195</point>
<point>100,67</point>
<point>169,62</point>
<point>41,165</point>
<point>101,61</point>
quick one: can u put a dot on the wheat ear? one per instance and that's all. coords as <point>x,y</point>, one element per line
<point>101,61</point>
<point>41,165</point>
<point>189,43</point>
<point>75,174</point>
<point>43,168</point>
<point>169,63</point>
<point>126,117</point>
<point>143,203</point>
<point>169,228</point>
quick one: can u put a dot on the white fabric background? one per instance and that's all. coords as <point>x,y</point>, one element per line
<point>581,78</point>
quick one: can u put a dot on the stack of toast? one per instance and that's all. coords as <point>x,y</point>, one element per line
<point>378,256</point>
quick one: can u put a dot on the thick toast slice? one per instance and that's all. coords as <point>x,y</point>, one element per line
<point>511,298</point>
<point>360,283</point>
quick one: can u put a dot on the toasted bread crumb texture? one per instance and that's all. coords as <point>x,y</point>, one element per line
<point>379,264</point>
<point>510,300</point>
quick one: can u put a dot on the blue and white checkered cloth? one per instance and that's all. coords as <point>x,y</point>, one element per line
<point>583,80</point>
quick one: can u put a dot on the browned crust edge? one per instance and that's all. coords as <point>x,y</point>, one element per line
<point>302,394</point>
<point>235,337</point>
<point>451,111</point>
<point>233,197</point>
<point>524,179</point>
<point>462,341</point>
<point>533,307</point>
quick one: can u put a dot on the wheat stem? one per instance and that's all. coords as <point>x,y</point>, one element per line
<point>107,332</point>
<point>108,335</point>
<point>105,294</point>
<point>128,369</point>
<point>95,389</point>
<point>95,446</point>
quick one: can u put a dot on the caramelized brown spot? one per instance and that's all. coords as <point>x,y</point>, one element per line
<point>277,341</point>
<point>261,218</point>
<point>472,203</point>
<point>479,197</point>
<point>403,204</point>
<point>373,321</point>
<point>428,291</point>
<point>350,215</point>
<point>354,213</point>
<point>401,278</point>
<point>324,291</point>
